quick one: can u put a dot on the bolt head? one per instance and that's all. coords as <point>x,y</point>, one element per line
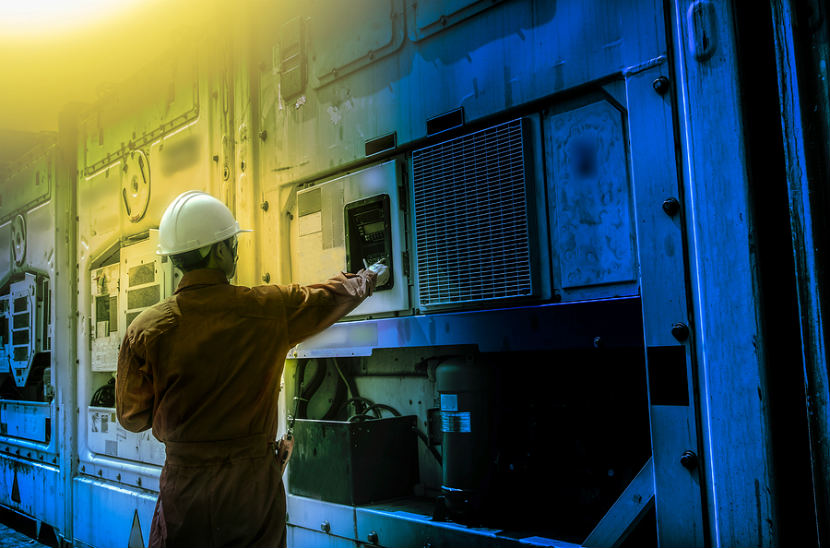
<point>689,460</point>
<point>660,85</point>
<point>680,331</point>
<point>671,206</point>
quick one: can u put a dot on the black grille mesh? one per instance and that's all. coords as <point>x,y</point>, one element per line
<point>471,224</point>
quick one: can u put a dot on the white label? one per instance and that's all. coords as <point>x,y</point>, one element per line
<point>455,421</point>
<point>449,402</point>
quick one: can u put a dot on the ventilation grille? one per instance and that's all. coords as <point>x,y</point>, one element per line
<point>471,222</point>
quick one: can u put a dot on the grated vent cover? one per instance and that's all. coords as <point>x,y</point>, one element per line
<point>471,221</point>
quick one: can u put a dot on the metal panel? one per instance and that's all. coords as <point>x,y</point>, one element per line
<point>504,56</point>
<point>28,183</point>
<point>427,17</point>
<point>107,437</point>
<point>142,110</point>
<point>40,230</point>
<point>737,464</point>
<point>473,218</point>
<point>313,514</point>
<point>26,420</point>
<point>299,536</point>
<point>677,490</point>
<point>611,323</point>
<point>319,246</point>
<point>590,198</point>
<point>33,489</point>
<point>381,33</point>
<point>5,251</point>
<point>104,512</point>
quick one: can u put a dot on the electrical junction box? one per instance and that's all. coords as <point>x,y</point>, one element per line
<point>354,462</point>
<point>346,220</point>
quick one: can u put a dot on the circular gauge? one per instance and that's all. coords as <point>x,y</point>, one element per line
<point>135,185</point>
<point>19,240</point>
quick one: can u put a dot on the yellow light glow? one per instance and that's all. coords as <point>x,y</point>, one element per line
<point>40,16</point>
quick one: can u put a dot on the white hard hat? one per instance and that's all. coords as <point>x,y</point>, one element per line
<point>195,219</point>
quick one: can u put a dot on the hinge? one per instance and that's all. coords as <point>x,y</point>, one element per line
<point>405,259</point>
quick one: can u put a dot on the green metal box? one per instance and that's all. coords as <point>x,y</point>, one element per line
<point>354,462</point>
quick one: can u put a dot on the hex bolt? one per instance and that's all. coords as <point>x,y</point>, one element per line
<point>660,85</point>
<point>264,205</point>
<point>680,331</point>
<point>671,206</point>
<point>266,277</point>
<point>372,537</point>
<point>689,460</point>
<point>325,527</point>
<point>263,135</point>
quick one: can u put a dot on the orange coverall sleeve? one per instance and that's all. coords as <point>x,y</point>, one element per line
<point>312,308</point>
<point>134,396</point>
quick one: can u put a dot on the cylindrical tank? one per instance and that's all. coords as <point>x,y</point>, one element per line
<point>462,385</point>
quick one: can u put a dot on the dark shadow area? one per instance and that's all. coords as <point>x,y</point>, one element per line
<point>778,300</point>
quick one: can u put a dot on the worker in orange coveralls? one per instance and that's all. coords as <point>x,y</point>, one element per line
<point>203,368</point>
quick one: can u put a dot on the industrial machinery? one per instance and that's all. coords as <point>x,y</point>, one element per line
<point>30,445</point>
<point>592,283</point>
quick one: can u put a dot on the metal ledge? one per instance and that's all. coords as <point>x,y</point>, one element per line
<point>607,323</point>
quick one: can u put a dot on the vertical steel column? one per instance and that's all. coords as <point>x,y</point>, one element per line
<point>65,307</point>
<point>724,289</point>
<point>672,394</point>
<point>806,219</point>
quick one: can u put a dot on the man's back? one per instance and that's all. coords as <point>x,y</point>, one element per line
<point>203,369</point>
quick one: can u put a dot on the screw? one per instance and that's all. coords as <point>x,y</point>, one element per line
<point>373,537</point>
<point>216,158</point>
<point>242,165</point>
<point>597,342</point>
<point>264,205</point>
<point>266,277</point>
<point>689,460</point>
<point>263,135</point>
<point>671,206</point>
<point>325,527</point>
<point>680,331</point>
<point>226,172</point>
<point>660,85</point>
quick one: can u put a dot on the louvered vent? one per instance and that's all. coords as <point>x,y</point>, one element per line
<point>471,217</point>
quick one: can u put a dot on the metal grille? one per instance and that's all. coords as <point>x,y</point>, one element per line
<point>471,221</point>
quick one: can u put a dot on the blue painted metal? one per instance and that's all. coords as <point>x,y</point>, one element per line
<point>660,251</point>
<point>542,327</point>
<point>108,511</point>
<point>807,219</point>
<point>401,523</point>
<point>723,285</point>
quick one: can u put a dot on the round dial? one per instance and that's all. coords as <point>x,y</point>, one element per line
<point>19,240</point>
<point>135,185</point>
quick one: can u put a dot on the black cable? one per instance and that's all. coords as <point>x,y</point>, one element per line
<point>376,406</point>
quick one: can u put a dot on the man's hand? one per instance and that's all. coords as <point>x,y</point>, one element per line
<point>380,269</point>
<point>284,449</point>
